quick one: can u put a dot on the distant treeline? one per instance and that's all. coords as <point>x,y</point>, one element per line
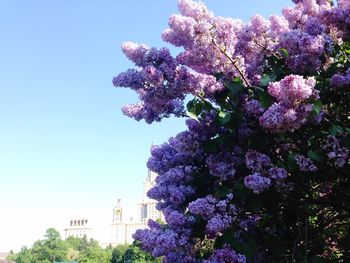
<point>53,249</point>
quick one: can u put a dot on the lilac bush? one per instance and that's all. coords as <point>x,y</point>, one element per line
<point>262,172</point>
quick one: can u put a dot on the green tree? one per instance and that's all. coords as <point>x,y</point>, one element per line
<point>91,252</point>
<point>50,249</point>
<point>134,254</point>
<point>24,256</point>
<point>118,253</point>
<point>53,249</point>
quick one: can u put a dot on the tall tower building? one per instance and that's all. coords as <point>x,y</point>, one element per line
<point>118,226</point>
<point>147,206</point>
<point>121,230</point>
<point>118,212</point>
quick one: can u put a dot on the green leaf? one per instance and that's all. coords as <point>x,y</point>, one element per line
<point>284,52</point>
<point>236,88</point>
<point>315,155</point>
<point>266,79</point>
<point>196,106</point>
<point>222,192</point>
<point>335,129</point>
<point>218,76</point>
<point>291,163</point>
<point>254,203</point>
<point>241,191</point>
<point>346,47</point>
<point>223,117</point>
<point>317,107</point>
<point>207,105</point>
<point>265,100</point>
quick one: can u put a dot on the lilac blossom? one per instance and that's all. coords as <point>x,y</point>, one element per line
<point>203,206</point>
<point>226,255</point>
<point>257,182</point>
<point>196,183</point>
<point>223,165</point>
<point>292,89</point>
<point>279,118</point>
<point>339,81</point>
<point>218,224</point>
<point>256,161</point>
<point>304,50</point>
<point>278,174</point>
<point>253,108</point>
<point>305,164</point>
<point>337,155</point>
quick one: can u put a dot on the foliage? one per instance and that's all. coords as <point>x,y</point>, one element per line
<point>135,255</point>
<point>262,172</point>
<point>118,253</point>
<point>53,249</point>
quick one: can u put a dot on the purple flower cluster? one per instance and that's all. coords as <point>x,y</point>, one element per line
<point>305,164</point>
<point>174,162</point>
<point>291,111</point>
<point>219,214</point>
<point>305,50</point>
<point>194,30</point>
<point>279,118</point>
<point>292,90</point>
<point>200,169</point>
<point>257,182</point>
<point>161,83</point>
<point>263,172</point>
<point>309,38</point>
<point>253,108</point>
<point>278,174</point>
<point>256,161</point>
<point>159,240</point>
<point>337,155</point>
<point>226,255</point>
<point>340,81</point>
<point>205,127</point>
<point>337,19</point>
<point>223,165</point>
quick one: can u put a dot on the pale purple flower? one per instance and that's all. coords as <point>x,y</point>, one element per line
<point>196,10</point>
<point>135,52</point>
<point>292,89</point>
<point>279,26</point>
<point>279,118</point>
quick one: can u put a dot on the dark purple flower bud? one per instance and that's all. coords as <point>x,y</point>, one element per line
<point>305,164</point>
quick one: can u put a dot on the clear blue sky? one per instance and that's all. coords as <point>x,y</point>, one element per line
<point>64,144</point>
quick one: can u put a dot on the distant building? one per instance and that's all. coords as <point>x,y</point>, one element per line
<point>147,207</point>
<point>121,230</point>
<point>78,227</point>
